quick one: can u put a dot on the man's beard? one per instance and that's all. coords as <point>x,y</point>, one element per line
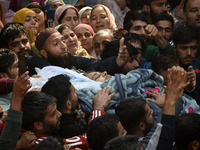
<point>148,128</point>
<point>51,129</point>
<point>61,61</point>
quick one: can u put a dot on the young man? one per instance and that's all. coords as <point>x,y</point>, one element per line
<point>102,129</point>
<point>42,117</point>
<point>164,23</point>
<point>135,22</point>
<point>154,8</point>
<point>67,101</point>
<point>185,45</point>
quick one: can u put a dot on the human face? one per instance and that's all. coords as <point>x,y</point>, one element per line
<point>20,45</point>
<point>98,76</point>
<point>158,6</point>
<point>14,70</point>
<point>31,22</point>
<point>71,40</point>
<point>122,131</point>
<point>165,29</point>
<point>55,5</point>
<point>85,18</point>
<point>85,37</point>
<point>138,46</point>
<point>40,16</point>
<point>186,52</point>
<point>73,98</point>
<point>56,50</point>
<point>100,41</point>
<point>148,119</point>
<point>99,19</point>
<point>138,27</point>
<point>130,65</point>
<point>192,14</point>
<point>70,18</point>
<point>51,120</point>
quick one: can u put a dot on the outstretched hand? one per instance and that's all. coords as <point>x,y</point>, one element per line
<point>102,98</point>
<point>123,55</point>
<point>20,87</point>
<point>159,98</point>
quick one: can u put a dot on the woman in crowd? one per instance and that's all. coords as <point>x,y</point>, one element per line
<point>102,18</point>
<point>85,34</point>
<point>51,6</point>
<point>67,14</point>
<point>41,15</point>
<point>73,45</point>
<point>84,15</point>
<point>29,19</point>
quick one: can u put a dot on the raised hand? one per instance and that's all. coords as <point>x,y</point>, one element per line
<point>102,98</point>
<point>191,79</point>
<point>160,98</point>
<point>123,55</point>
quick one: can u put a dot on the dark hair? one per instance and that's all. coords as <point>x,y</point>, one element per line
<point>101,130</point>
<point>62,27</point>
<point>184,5</point>
<point>133,37</point>
<point>187,129</point>
<point>59,87</point>
<point>10,32</point>
<point>131,112</point>
<point>163,62</point>
<point>184,35</point>
<point>64,13</point>
<point>34,107</point>
<point>50,143</point>
<point>112,49</point>
<point>163,16</point>
<point>132,16</point>
<point>7,58</point>
<point>128,142</point>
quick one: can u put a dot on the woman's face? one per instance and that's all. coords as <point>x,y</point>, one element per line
<point>85,37</point>
<point>70,40</point>
<point>40,16</point>
<point>99,19</point>
<point>31,22</point>
<point>85,18</point>
<point>70,18</point>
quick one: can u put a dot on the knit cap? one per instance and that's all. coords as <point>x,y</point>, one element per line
<point>43,36</point>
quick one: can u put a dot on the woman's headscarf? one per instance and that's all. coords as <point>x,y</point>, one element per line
<point>82,10</point>
<point>111,18</point>
<point>51,12</point>
<point>59,12</point>
<point>71,2</point>
<point>20,15</point>
<point>78,27</point>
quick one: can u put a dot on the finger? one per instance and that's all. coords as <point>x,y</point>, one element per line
<point>23,75</point>
<point>112,95</point>
<point>108,89</point>
<point>153,101</point>
<point>190,68</point>
<point>121,42</point>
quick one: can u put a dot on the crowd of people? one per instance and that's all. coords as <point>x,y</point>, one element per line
<point>100,75</point>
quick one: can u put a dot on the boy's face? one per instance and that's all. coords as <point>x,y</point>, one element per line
<point>13,70</point>
<point>20,45</point>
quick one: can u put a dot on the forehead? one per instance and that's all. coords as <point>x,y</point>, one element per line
<point>19,38</point>
<point>164,23</point>
<point>31,15</point>
<point>53,37</point>
<point>83,30</point>
<point>138,23</point>
<point>70,11</point>
<point>103,36</point>
<point>192,3</point>
<point>67,31</point>
<point>98,10</point>
<point>158,1</point>
<point>86,12</point>
<point>192,43</point>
